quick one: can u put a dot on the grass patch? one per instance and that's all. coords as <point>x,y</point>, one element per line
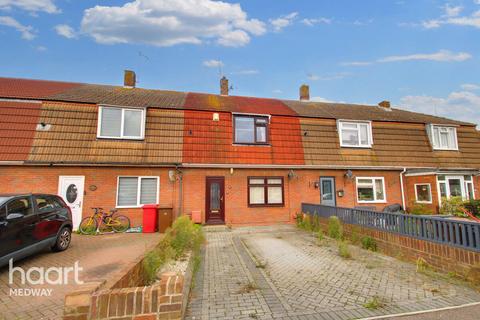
<point>343,250</point>
<point>374,303</point>
<point>183,236</point>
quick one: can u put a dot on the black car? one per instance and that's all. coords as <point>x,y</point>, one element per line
<point>32,222</point>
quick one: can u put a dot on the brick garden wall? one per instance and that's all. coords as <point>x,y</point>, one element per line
<point>441,257</point>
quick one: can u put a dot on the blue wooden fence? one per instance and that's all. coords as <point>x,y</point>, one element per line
<point>464,234</point>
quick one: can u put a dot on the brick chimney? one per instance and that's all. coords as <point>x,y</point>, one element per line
<point>129,79</point>
<point>385,104</point>
<point>224,86</point>
<point>304,92</point>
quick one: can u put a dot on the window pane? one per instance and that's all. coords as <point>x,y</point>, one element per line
<point>261,134</point>
<point>365,194</point>
<point>20,205</point>
<point>441,178</point>
<point>275,195</point>
<point>451,138</point>
<point>423,193</point>
<point>365,181</point>
<point>436,137</point>
<point>349,125</point>
<point>3,213</point>
<point>443,190</point>
<point>244,130</point>
<point>364,134</point>
<point>261,121</point>
<point>470,191</point>
<point>257,195</point>
<point>214,196</point>
<point>148,191</point>
<point>111,124</point>
<point>133,123</point>
<point>455,187</point>
<point>257,181</point>
<point>350,137</point>
<point>467,178</point>
<point>327,192</point>
<point>274,181</point>
<point>127,191</point>
<point>444,139</point>
<point>44,204</point>
<point>379,189</point>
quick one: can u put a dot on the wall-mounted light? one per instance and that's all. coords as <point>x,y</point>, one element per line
<point>231,170</point>
<point>340,193</point>
<point>216,117</point>
<point>316,184</point>
<point>349,174</point>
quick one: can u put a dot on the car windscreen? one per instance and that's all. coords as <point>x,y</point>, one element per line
<point>3,199</point>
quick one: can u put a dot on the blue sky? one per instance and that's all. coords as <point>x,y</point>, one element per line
<point>422,55</point>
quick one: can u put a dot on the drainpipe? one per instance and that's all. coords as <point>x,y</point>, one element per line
<point>401,187</point>
<point>180,192</point>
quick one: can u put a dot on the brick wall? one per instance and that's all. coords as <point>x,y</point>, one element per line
<point>297,190</point>
<point>410,198</point>
<point>441,257</point>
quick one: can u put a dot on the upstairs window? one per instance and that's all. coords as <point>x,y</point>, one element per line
<point>355,134</point>
<point>121,123</point>
<point>443,138</point>
<point>251,129</point>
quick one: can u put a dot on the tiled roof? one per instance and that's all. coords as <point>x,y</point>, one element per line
<point>136,97</point>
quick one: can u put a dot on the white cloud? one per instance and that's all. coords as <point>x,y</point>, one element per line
<point>319,99</point>
<point>442,56</point>
<point>314,21</point>
<point>470,86</point>
<point>66,31</point>
<point>213,63</point>
<point>362,23</point>
<point>452,16</point>
<point>28,33</point>
<point>439,56</point>
<point>452,11</point>
<point>30,5</point>
<point>282,22</point>
<point>171,22</point>
<point>461,105</point>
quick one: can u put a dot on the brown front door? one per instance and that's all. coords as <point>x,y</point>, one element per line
<point>215,200</point>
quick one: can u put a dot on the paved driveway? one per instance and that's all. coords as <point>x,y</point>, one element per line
<point>270,273</point>
<point>101,257</point>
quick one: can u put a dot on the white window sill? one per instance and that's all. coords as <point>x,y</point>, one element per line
<point>358,147</point>
<point>367,202</point>
<point>122,138</point>
<point>134,207</point>
<point>424,202</point>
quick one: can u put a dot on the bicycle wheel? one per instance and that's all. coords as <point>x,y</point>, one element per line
<point>88,225</point>
<point>120,223</point>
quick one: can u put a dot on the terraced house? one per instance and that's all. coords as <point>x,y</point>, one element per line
<point>234,160</point>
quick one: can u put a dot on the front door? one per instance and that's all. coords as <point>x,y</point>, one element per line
<point>70,188</point>
<point>327,191</point>
<point>215,200</point>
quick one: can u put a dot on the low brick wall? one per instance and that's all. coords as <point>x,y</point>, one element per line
<point>441,257</point>
<point>163,300</point>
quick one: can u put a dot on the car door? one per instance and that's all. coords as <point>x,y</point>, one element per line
<point>20,229</point>
<point>7,232</point>
<point>48,217</point>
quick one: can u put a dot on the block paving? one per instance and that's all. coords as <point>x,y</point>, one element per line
<point>283,273</point>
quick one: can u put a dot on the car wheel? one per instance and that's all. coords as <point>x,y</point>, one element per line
<point>63,240</point>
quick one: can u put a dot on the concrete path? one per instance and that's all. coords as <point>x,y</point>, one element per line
<point>283,273</point>
<point>101,257</point>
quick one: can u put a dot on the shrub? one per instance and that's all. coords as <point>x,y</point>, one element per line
<point>184,235</point>
<point>354,236</point>
<point>473,206</point>
<point>369,243</point>
<point>452,206</point>
<point>335,229</point>
<point>299,219</point>
<point>343,250</point>
<point>420,209</point>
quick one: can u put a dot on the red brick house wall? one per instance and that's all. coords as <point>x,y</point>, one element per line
<point>410,191</point>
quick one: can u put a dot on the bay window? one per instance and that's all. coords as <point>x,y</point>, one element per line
<point>370,190</point>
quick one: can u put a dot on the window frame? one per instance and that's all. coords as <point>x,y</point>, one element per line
<point>431,134</point>
<point>255,125</point>
<point>369,145</point>
<point>265,186</point>
<point>139,178</point>
<point>429,191</point>
<point>374,190</point>
<point>122,124</point>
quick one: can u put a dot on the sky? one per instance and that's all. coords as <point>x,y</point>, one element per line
<point>422,55</point>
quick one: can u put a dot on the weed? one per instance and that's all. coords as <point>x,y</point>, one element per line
<point>369,243</point>
<point>374,303</point>
<point>320,236</point>
<point>422,265</point>
<point>249,287</point>
<point>343,250</point>
<point>253,315</point>
<point>335,229</point>
<point>354,236</point>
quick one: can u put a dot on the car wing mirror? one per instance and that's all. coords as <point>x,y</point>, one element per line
<point>15,216</point>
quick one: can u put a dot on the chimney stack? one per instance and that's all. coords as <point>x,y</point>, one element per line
<point>129,79</point>
<point>224,86</point>
<point>304,92</point>
<point>385,104</point>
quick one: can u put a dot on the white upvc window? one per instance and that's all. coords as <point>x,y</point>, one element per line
<point>133,192</point>
<point>121,123</point>
<point>443,137</point>
<point>371,190</point>
<point>356,134</point>
<point>423,193</point>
